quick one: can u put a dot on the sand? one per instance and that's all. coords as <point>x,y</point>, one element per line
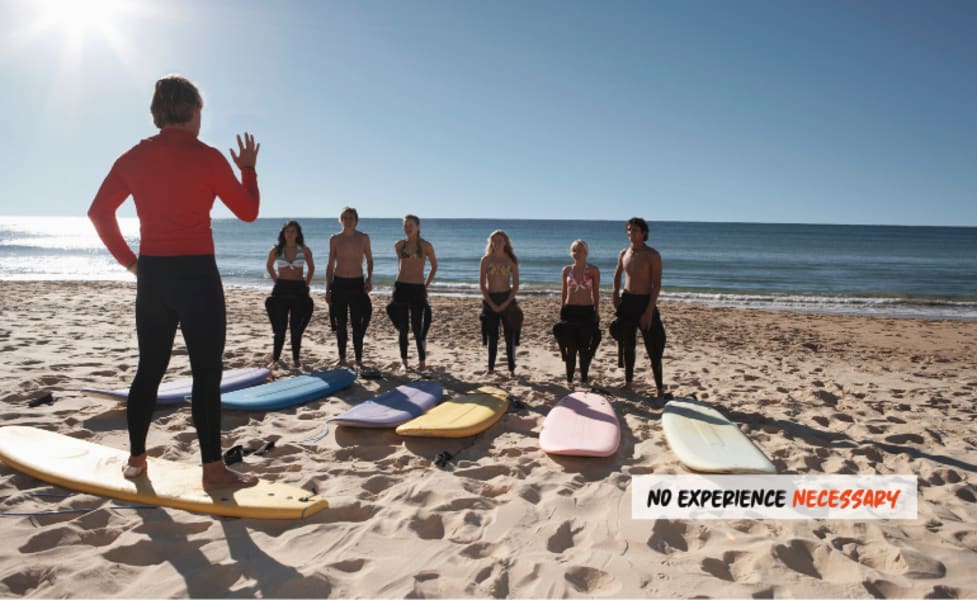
<point>819,394</point>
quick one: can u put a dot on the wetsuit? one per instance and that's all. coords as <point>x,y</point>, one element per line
<point>510,329</point>
<point>350,302</point>
<point>577,332</point>
<point>409,307</point>
<point>289,307</point>
<point>623,330</point>
<point>173,179</point>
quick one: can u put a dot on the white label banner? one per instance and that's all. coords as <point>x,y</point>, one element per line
<point>773,497</point>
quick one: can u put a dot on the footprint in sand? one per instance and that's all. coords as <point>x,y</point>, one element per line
<point>377,484</point>
<point>798,556</point>
<point>905,562</point>
<point>720,567</point>
<point>883,588</point>
<point>492,581</point>
<point>669,536</point>
<point>902,438</point>
<point>478,550</point>
<point>146,553</point>
<point>352,565</point>
<point>563,538</point>
<point>31,578</point>
<point>587,580</point>
<point>530,493</point>
<point>484,473</point>
<point>352,513</point>
<point>428,528</point>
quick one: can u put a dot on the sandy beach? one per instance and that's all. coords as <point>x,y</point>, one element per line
<point>819,394</point>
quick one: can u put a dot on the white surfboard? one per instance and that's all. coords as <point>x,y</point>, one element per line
<point>706,441</point>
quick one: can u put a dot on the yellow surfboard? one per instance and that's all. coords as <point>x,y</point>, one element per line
<point>467,415</point>
<point>94,469</point>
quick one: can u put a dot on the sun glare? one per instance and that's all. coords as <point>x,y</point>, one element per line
<point>75,24</point>
<point>79,17</point>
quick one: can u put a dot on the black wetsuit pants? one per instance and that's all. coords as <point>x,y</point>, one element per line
<point>490,332</point>
<point>182,291</point>
<point>624,330</point>
<point>577,332</point>
<point>350,304</point>
<point>289,308</point>
<point>409,308</point>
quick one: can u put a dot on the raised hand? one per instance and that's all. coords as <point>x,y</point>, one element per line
<point>247,156</point>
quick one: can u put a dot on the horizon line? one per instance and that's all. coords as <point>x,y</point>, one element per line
<point>532,219</point>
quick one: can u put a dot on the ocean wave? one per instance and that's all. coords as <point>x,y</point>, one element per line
<point>929,308</point>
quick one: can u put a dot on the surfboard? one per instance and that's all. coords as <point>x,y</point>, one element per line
<point>179,390</point>
<point>581,424</point>
<point>466,415</point>
<point>95,469</point>
<point>705,440</point>
<point>291,391</point>
<point>394,407</point>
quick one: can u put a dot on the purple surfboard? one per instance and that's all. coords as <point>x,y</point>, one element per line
<point>394,407</point>
<point>179,390</point>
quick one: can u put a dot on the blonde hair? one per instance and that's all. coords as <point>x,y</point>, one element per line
<point>507,247</point>
<point>586,248</point>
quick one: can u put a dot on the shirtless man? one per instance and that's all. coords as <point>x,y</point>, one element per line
<point>347,292</point>
<point>409,307</point>
<point>637,307</point>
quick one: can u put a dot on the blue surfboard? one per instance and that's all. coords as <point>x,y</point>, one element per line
<point>291,391</point>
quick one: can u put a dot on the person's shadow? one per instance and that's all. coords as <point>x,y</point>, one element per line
<point>251,572</point>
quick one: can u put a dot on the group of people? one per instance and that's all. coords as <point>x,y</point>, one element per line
<point>348,287</point>
<point>578,331</point>
<point>174,179</point>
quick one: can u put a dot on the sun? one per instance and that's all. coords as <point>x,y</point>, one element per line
<point>77,23</point>
<point>78,20</point>
<point>69,16</point>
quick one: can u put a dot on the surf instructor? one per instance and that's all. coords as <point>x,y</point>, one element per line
<point>173,179</point>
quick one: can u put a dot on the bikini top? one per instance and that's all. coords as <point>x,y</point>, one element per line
<point>502,269</point>
<point>576,286</point>
<point>408,250</point>
<point>297,263</point>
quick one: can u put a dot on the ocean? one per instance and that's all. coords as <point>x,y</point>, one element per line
<point>928,272</point>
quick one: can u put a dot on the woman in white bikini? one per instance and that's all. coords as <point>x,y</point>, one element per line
<point>578,331</point>
<point>290,306</point>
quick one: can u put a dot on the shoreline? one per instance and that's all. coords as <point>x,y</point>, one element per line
<point>817,393</point>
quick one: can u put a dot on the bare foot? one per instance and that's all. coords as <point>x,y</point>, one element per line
<point>627,387</point>
<point>135,467</point>
<point>512,374</point>
<point>218,477</point>
<point>421,366</point>
<point>343,362</point>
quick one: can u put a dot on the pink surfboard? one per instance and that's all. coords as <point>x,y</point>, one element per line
<point>581,424</point>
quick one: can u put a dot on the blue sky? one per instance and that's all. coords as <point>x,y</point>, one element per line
<point>704,110</point>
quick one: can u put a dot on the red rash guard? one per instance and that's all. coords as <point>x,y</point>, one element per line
<point>173,179</point>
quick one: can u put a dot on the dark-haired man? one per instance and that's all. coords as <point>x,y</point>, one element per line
<point>637,306</point>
